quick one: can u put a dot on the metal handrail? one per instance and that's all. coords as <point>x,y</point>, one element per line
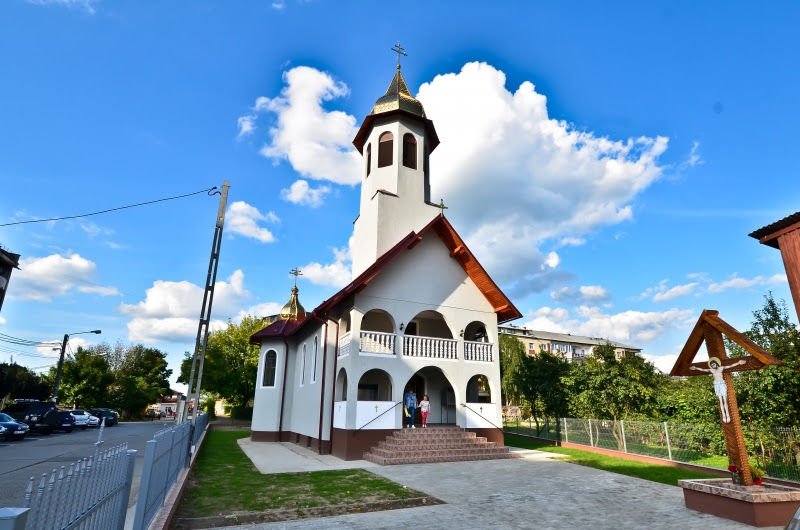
<point>482,416</point>
<point>379,415</point>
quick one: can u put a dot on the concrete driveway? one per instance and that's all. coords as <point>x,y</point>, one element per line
<point>531,492</point>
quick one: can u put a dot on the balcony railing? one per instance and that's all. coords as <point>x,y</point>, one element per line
<point>377,342</point>
<point>344,344</point>
<point>430,347</point>
<point>478,351</point>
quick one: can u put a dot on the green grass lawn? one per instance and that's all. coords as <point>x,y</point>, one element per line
<point>654,472</point>
<point>224,481</point>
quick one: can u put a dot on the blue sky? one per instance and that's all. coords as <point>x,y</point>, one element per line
<point>605,161</point>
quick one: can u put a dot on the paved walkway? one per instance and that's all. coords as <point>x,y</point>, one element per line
<point>287,457</point>
<point>536,491</point>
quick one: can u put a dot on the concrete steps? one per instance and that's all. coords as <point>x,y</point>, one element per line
<point>434,444</point>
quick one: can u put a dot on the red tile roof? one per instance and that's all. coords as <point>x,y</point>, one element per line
<point>440,226</point>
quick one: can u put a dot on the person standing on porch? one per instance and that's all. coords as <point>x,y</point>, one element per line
<point>410,402</point>
<point>424,408</point>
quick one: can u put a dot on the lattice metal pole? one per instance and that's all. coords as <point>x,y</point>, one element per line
<point>193,392</point>
<point>666,434</point>
<point>566,433</point>
<point>591,434</point>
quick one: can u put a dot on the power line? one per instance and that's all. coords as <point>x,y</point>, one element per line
<point>209,190</point>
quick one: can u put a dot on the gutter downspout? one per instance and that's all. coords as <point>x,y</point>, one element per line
<point>333,386</point>
<point>283,388</point>
<point>322,389</point>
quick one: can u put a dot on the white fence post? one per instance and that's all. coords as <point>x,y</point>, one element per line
<point>669,448</point>
<point>566,433</point>
<point>624,442</point>
<point>591,435</point>
<point>13,518</point>
<point>126,491</point>
<point>144,484</point>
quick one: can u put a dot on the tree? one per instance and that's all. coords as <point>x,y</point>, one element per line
<point>231,362</point>
<point>86,378</point>
<point>19,382</point>
<point>514,375</point>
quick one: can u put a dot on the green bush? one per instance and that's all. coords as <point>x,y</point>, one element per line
<point>242,413</point>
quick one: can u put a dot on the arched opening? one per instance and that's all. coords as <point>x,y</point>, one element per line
<point>478,390</point>
<point>432,381</point>
<point>344,324</point>
<point>340,391</point>
<point>303,365</point>
<point>429,324</point>
<point>428,335</point>
<point>314,360</point>
<point>270,363</point>
<point>385,143</point>
<point>476,332</point>
<point>377,320</point>
<point>409,151</point>
<point>377,332</point>
<point>369,158</point>
<point>375,385</point>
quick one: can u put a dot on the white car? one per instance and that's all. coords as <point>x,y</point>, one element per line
<point>94,421</point>
<point>81,418</point>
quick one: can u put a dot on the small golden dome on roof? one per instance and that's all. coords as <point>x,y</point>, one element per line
<point>398,97</point>
<point>293,310</point>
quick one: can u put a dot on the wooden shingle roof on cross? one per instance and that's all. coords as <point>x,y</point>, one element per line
<point>758,358</point>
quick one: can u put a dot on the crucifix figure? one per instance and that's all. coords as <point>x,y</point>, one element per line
<point>710,329</point>
<point>442,207</point>
<point>296,272</point>
<point>399,50</point>
<point>720,387</point>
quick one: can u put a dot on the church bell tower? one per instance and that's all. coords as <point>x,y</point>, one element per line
<point>395,141</point>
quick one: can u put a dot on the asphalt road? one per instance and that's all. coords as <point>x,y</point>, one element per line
<point>37,454</point>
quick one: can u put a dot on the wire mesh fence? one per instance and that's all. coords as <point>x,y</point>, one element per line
<point>775,451</point>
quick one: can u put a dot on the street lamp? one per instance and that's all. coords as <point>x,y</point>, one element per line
<point>61,359</point>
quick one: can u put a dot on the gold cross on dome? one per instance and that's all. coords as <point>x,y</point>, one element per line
<point>442,207</point>
<point>399,50</point>
<point>296,272</point>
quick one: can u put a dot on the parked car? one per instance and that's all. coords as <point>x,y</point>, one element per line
<point>81,418</point>
<point>40,416</point>
<point>66,421</point>
<point>93,421</point>
<point>12,429</point>
<point>109,415</point>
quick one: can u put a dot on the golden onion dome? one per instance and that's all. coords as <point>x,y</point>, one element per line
<point>398,97</point>
<point>293,310</point>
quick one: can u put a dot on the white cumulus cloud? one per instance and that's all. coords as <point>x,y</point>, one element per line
<point>662,292</point>
<point>736,282</point>
<point>336,274</point>
<point>301,193</point>
<point>583,294</point>
<point>315,141</point>
<point>171,310</point>
<point>246,124</point>
<point>243,218</point>
<point>47,277</point>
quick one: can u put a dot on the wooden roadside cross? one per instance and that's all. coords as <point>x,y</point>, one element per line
<point>710,329</point>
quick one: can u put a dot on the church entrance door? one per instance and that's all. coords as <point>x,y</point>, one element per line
<point>432,381</point>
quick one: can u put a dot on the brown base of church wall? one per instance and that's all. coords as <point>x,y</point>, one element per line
<point>300,439</point>
<point>492,435</point>
<point>351,445</point>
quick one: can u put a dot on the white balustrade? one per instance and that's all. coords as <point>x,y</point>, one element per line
<point>430,347</point>
<point>377,342</point>
<point>344,344</point>
<point>478,351</point>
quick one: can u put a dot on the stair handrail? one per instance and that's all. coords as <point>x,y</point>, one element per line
<point>482,416</point>
<point>379,415</point>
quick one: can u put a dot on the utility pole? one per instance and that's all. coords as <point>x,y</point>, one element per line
<point>198,359</point>
<point>61,360</point>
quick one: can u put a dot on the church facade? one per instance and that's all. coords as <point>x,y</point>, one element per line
<point>420,313</point>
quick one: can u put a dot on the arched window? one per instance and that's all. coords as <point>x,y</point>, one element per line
<point>314,361</point>
<point>385,149</point>
<point>303,367</point>
<point>409,151</point>
<point>369,158</point>
<point>478,390</point>
<point>270,362</point>
<point>341,386</point>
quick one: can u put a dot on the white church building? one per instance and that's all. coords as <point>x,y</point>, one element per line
<point>421,312</point>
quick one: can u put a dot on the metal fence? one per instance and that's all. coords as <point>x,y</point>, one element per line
<point>776,451</point>
<point>92,493</point>
<point>165,456</point>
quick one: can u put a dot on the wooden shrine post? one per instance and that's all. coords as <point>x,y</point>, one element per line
<point>710,329</point>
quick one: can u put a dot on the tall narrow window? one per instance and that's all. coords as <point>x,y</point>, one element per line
<point>270,362</point>
<point>385,149</point>
<point>369,158</point>
<point>314,361</point>
<point>409,151</point>
<point>303,367</point>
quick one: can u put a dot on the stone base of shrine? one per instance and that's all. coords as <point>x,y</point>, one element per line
<point>770,504</point>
